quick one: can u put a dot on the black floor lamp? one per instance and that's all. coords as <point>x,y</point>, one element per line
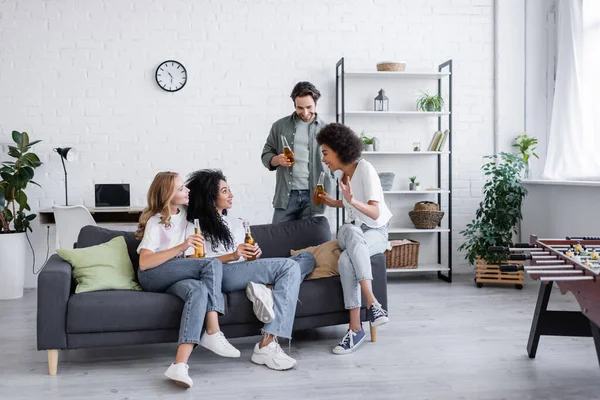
<point>66,153</point>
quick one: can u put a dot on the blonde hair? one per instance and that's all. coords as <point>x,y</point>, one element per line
<point>160,194</point>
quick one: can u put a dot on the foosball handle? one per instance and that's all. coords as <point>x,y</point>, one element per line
<point>519,257</point>
<point>498,249</point>
<point>510,268</point>
<point>523,246</point>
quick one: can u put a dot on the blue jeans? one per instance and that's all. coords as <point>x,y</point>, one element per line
<point>358,244</point>
<point>196,281</point>
<point>299,207</point>
<point>285,276</point>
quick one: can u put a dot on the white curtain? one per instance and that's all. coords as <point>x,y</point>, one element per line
<point>573,152</point>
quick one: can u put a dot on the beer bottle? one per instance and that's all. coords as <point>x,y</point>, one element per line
<point>248,239</point>
<point>320,189</point>
<point>287,150</point>
<point>198,250</point>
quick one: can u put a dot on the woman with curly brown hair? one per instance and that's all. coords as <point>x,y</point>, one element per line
<point>364,232</point>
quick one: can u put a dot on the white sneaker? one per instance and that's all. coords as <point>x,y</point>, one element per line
<point>218,344</point>
<point>178,373</point>
<point>273,357</point>
<point>262,300</point>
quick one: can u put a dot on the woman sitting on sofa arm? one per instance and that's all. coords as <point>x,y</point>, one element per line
<point>166,238</point>
<point>210,199</point>
<point>364,232</point>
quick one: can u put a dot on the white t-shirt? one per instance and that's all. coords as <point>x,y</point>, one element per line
<point>366,186</point>
<point>237,231</point>
<point>158,238</point>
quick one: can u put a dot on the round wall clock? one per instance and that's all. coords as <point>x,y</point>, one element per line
<point>171,75</point>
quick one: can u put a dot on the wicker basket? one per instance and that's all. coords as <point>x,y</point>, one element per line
<point>426,219</point>
<point>402,255</point>
<point>389,66</point>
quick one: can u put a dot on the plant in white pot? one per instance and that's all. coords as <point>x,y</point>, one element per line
<point>14,219</point>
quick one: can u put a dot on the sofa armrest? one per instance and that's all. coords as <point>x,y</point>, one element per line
<point>379,279</point>
<point>54,290</point>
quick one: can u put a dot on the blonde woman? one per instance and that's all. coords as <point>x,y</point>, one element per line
<point>167,238</point>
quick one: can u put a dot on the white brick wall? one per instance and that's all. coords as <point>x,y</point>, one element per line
<point>81,74</point>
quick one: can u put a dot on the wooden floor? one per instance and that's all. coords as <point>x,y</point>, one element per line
<point>444,341</point>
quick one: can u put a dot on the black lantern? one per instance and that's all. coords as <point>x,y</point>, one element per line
<point>382,103</point>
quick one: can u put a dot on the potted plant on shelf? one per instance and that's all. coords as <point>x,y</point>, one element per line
<point>430,103</point>
<point>367,141</point>
<point>14,219</point>
<point>413,183</point>
<point>526,145</point>
<point>496,219</point>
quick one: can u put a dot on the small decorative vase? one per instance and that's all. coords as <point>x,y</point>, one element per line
<point>368,147</point>
<point>411,186</point>
<point>527,172</point>
<point>376,144</point>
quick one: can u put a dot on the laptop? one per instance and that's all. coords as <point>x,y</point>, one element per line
<point>112,195</point>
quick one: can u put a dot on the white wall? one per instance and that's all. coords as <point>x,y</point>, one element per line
<point>81,74</point>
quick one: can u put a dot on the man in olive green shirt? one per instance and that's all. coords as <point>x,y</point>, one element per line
<point>295,185</point>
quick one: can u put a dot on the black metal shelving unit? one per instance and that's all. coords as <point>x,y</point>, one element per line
<point>443,77</point>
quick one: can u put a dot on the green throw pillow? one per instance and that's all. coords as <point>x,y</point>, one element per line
<point>103,267</point>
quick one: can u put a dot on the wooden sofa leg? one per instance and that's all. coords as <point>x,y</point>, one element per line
<point>52,362</point>
<point>373,333</point>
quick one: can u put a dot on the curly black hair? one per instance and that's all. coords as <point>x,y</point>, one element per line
<point>305,89</point>
<point>342,140</point>
<point>204,190</point>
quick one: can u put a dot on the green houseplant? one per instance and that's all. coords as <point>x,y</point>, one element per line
<point>430,103</point>
<point>15,220</point>
<point>526,145</point>
<point>413,183</point>
<point>498,213</point>
<point>367,141</point>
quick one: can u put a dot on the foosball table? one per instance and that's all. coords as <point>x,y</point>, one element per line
<point>574,265</point>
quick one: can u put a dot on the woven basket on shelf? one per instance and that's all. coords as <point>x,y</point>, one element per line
<point>389,66</point>
<point>402,255</point>
<point>426,215</point>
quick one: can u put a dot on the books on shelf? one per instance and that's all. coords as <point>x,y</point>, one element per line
<point>438,140</point>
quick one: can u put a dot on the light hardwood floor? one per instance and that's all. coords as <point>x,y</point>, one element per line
<point>444,341</point>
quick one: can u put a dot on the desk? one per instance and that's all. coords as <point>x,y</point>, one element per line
<point>114,216</point>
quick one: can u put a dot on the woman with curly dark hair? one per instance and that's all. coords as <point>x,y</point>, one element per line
<point>364,232</point>
<point>210,199</point>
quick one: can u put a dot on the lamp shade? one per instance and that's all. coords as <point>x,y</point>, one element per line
<point>68,153</point>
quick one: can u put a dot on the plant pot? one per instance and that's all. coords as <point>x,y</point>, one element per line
<point>368,147</point>
<point>13,247</point>
<point>430,107</point>
<point>376,144</point>
<point>387,180</point>
<point>417,187</point>
<point>411,186</point>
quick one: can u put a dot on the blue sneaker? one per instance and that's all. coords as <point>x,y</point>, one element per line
<point>378,315</point>
<point>350,342</point>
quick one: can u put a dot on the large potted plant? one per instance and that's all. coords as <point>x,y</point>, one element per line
<point>496,218</point>
<point>14,217</point>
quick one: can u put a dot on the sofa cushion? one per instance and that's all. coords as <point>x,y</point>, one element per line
<point>102,267</point>
<point>277,240</point>
<point>93,235</point>
<point>326,256</point>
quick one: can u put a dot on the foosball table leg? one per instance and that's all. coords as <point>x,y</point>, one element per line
<point>596,335</point>
<point>540,309</point>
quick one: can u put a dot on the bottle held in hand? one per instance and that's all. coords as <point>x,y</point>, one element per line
<point>248,239</point>
<point>287,150</point>
<point>320,189</point>
<point>199,249</point>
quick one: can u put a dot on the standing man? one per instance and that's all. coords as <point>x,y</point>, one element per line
<point>295,184</point>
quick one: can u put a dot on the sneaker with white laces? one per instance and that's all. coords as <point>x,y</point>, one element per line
<point>378,315</point>
<point>218,344</point>
<point>350,342</point>
<point>262,301</point>
<point>273,357</point>
<point>178,373</point>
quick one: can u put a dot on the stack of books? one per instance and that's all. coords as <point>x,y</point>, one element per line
<point>438,140</point>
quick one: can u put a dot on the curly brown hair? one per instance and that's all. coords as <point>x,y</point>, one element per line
<point>341,140</point>
<point>305,89</point>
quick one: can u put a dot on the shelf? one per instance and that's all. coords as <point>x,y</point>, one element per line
<point>415,191</point>
<point>399,113</point>
<point>415,230</point>
<point>396,74</point>
<point>420,268</point>
<point>402,153</point>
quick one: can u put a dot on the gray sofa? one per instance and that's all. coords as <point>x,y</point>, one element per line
<point>66,320</point>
